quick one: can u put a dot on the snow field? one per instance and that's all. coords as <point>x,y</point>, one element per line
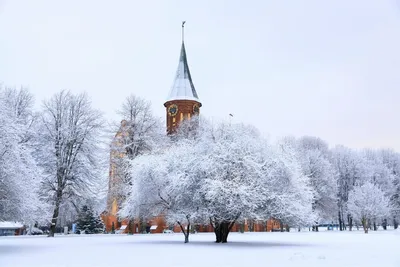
<point>328,249</point>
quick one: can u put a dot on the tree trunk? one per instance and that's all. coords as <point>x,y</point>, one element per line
<point>130,227</point>
<point>340,222</point>
<point>384,224</point>
<point>55,214</point>
<point>224,232</point>
<point>143,225</point>
<point>113,228</point>
<point>281,225</point>
<point>222,229</point>
<point>217,231</point>
<point>241,227</point>
<point>250,225</point>
<point>395,223</point>
<point>375,228</point>
<point>350,221</point>
<point>365,225</point>
<point>187,231</point>
<point>221,232</point>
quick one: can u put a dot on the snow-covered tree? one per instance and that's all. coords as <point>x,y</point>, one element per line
<point>88,222</point>
<point>315,159</point>
<point>295,187</point>
<point>69,140</point>
<point>162,184</point>
<point>352,170</point>
<point>367,203</point>
<point>138,133</point>
<point>143,130</point>
<point>391,160</point>
<point>380,175</point>
<point>20,176</point>
<point>221,174</point>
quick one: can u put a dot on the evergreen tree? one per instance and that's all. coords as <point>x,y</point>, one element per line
<point>88,222</point>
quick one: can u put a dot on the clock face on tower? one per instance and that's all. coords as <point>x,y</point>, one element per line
<point>173,110</point>
<point>196,108</point>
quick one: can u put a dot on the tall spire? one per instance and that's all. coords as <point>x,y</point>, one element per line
<point>183,87</point>
<point>183,31</point>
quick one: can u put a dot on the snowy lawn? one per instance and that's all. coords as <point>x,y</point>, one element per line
<point>336,249</point>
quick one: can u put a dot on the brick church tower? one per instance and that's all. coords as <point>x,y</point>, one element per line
<point>182,102</point>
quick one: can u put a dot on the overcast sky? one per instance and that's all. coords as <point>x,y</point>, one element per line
<point>323,68</point>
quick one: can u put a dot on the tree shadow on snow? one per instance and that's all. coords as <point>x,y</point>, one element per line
<point>10,249</point>
<point>233,244</point>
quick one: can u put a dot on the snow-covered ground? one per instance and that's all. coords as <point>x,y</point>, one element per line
<point>344,249</point>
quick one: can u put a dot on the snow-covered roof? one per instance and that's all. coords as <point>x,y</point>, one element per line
<point>10,225</point>
<point>123,227</point>
<point>183,88</point>
<point>153,227</point>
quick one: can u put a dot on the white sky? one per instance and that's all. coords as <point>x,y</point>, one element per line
<point>324,68</point>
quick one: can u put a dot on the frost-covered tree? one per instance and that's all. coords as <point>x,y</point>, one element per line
<point>252,179</point>
<point>298,198</point>
<point>220,174</point>
<point>391,160</point>
<point>352,170</point>
<point>162,184</point>
<point>20,175</point>
<point>380,175</point>
<point>367,203</point>
<point>315,159</point>
<point>138,133</point>
<point>143,130</point>
<point>69,140</point>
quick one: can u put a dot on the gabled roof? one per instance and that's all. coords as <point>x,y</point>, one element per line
<point>183,87</point>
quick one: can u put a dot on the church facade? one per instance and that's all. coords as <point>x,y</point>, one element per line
<point>182,103</point>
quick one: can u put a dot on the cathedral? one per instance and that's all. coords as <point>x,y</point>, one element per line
<point>182,103</point>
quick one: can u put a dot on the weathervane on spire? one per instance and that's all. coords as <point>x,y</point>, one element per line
<point>183,27</point>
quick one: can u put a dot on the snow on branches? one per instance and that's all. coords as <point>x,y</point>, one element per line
<point>69,147</point>
<point>367,204</point>
<point>20,176</point>
<point>222,174</point>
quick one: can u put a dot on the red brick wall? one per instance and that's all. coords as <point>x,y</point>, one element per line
<point>267,226</point>
<point>108,220</point>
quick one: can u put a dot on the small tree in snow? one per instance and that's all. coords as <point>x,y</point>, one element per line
<point>88,222</point>
<point>368,203</point>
